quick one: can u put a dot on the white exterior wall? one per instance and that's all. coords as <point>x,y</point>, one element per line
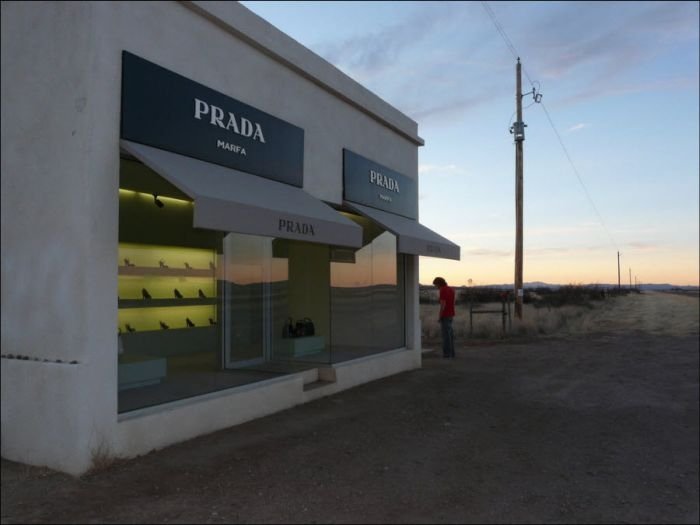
<point>61,79</point>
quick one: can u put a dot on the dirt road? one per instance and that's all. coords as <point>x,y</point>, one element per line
<point>598,426</point>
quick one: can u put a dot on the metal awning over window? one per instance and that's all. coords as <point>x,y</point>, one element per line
<point>233,201</point>
<point>413,238</point>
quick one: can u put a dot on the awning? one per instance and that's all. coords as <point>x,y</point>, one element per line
<point>413,237</point>
<point>233,201</point>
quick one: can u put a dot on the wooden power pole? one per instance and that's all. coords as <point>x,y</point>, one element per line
<point>618,270</point>
<point>519,133</point>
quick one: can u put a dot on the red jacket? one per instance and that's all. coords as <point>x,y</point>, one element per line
<point>447,302</point>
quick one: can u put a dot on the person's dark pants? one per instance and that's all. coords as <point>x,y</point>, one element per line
<point>448,340</point>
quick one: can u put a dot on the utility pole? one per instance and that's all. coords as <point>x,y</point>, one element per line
<point>519,135</point>
<point>618,271</point>
<point>630,278</point>
<point>518,131</point>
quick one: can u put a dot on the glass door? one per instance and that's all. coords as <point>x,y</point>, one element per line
<point>246,302</point>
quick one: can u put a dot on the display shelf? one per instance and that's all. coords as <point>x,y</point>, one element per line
<point>166,272</point>
<point>168,286</point>
<point>302,345</point>
<point>156,303</point>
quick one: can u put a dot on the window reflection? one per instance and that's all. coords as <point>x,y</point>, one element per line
<point>367,296</point>
<point>200,311</point>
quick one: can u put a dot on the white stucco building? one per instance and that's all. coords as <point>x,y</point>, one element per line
<point>203,222</point>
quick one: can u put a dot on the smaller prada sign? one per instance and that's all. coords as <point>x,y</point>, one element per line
<point>292,226</point>
<point>170,112</point>
<point>369,183</point>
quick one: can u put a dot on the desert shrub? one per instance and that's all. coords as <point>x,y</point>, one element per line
<point>537,321</point>
<point>478,295</point>
<point>578,295</point>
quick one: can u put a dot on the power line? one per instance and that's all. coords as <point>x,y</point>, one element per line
<point>578,176</point>
<point>515,53</point>
<point>500,29</point>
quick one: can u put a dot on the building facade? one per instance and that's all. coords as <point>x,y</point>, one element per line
<point>203,222</point>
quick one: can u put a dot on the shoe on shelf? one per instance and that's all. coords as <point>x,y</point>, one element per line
<point>127,262</point>
<point>145,293</point>
<point>189,323</point>
<point>129,328</point>
<point>162,264</point>
<point>178,294</point>
<point>187,265</point>
<point>211,321</point>
<point>211,266</point>
<point>163,325</point>
<point>201,294</point>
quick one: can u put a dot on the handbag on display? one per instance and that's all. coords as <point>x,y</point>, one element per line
<point>299,329</point>
<point>309,328</point>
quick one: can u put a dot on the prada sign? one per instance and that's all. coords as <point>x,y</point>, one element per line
<point>170,112</point>
<point>369,183</point>
<point>293,226</point>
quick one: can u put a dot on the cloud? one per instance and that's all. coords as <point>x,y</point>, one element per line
<point>451,106</point>
<point>425,52</point>
<point>577,127</point>
<point>437,63</point>
<point>607,90</point>
<point>626,36</point>
<point>643,246</point>
<point>379,49</point>
<point>561,230</point>
<point>484,252</point>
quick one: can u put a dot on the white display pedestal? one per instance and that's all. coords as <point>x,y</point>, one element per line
<point>141,371</point>
<point>304,345</point>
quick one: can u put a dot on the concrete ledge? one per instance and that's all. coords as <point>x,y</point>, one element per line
<point>142,431</point>
<point>58,406</point>
<point>349,374</point>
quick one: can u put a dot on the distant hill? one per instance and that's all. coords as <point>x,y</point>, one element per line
<point>540,284</point>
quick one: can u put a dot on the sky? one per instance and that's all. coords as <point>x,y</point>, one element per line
<point>611,154</point>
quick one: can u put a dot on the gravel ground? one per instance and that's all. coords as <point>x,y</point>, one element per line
<point>588,428</point>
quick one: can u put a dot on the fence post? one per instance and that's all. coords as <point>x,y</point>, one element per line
<point>510,322</point>
<point>503,315</point>
<point>471,315</point>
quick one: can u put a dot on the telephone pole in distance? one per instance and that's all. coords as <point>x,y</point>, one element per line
<point>518,131</point>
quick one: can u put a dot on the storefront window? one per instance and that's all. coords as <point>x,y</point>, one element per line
<point>201,310</point>
<point>277,303</point>
<point>367,296</point>
<point>170,297</point>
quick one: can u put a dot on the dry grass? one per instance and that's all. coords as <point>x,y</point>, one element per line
<point>101,459</point>
<point>658,313</point>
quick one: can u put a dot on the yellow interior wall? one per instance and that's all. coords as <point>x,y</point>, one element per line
<point>309,290</point>
<point>162,287</point>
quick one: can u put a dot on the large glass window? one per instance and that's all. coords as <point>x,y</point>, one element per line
<point>170,297</point>
<point>277,303</point>
<point>200,310</point>
<point>367,295</point>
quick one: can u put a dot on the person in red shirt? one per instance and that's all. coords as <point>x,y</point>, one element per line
<point>447,313</point>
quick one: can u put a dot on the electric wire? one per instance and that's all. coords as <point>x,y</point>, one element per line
<point>516,55</point>
<point>578,176</point>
